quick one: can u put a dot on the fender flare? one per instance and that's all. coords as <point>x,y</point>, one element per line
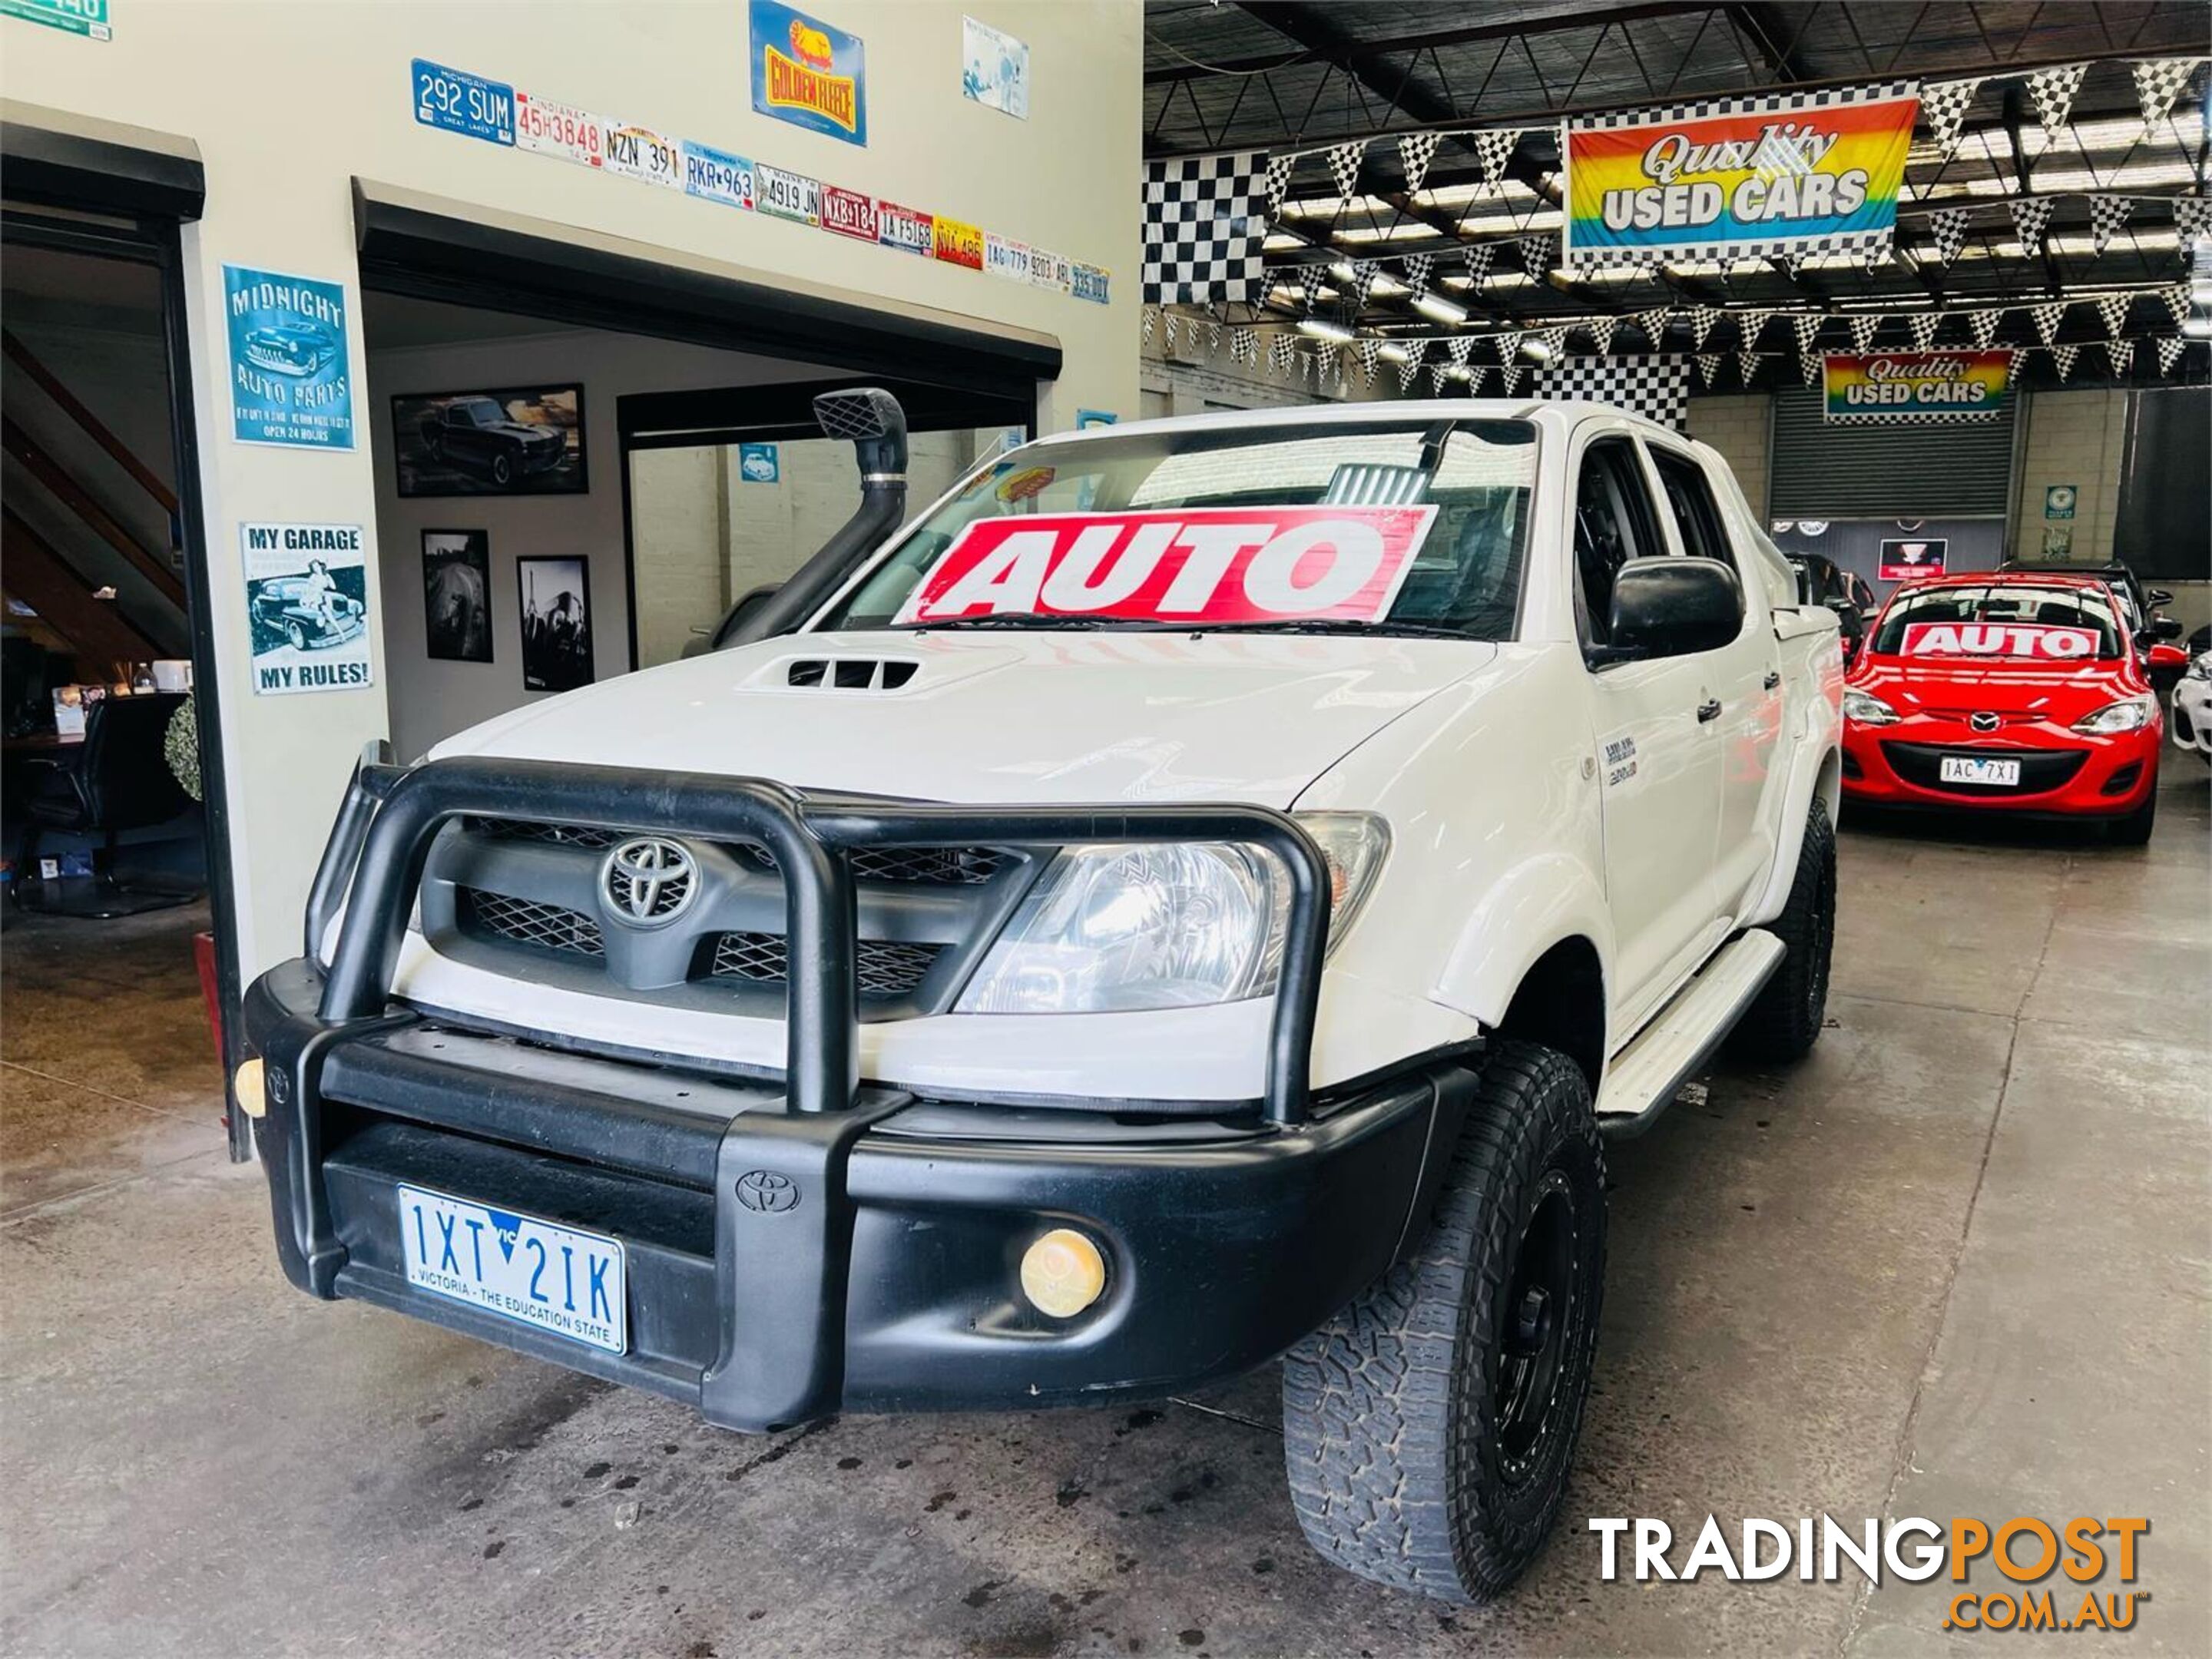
<point>1538,904</point>
<point>1818,769</point>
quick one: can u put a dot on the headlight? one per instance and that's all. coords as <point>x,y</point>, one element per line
<point>1123,928</point>
<point>1867,709</point>
<point>2129,714</point>
<point>2200,667</point>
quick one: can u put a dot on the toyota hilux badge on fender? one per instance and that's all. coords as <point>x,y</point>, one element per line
<point>1201,893</point>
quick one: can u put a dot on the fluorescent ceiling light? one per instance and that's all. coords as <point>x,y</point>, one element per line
<point>1321,329</point>
<point>1395,354</point>
<point>1435,306</point>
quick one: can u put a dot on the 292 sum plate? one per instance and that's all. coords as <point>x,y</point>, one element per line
<point>560,1280</point>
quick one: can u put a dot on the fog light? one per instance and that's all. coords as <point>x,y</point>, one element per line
<point>248,1083</point>
<point>1063,1273</point>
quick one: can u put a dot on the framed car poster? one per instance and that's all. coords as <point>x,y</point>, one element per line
<point>512,440</point>
<point>1905,561</point>
<point>555,594</point>
<point>457,595</point>
<point>306,606</point>
<point>291,375</point>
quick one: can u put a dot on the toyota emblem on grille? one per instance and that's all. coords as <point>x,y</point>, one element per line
<point>1982,721</point>
<point>649,881</point>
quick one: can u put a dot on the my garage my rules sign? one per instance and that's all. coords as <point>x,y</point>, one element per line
<point>291,380</point>
<point>307,604</point>
<point>1739,178</point>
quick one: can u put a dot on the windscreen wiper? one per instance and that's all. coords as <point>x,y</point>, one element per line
<point>1043,619</point>
<point>1333,625</point>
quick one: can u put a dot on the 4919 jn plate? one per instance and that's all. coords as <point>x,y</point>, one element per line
<point>532,1272</point>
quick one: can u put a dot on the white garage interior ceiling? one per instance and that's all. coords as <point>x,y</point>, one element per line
<point>1307,78</point>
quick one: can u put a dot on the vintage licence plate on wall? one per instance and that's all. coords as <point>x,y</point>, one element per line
<point>533,1272</point>
<point>1963,769</point>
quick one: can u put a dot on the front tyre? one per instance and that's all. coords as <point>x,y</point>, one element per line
<point>1428,1427</point>
<point>1782,1024</point>
<point>502,469</point>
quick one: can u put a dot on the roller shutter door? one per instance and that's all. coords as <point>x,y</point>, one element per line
<point>1921,470</point>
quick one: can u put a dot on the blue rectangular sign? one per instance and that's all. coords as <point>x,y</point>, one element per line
<point>291,379</point>
<point>463,103</point>
<point>716,175</point>
<point>807,73</point>
<point>757,463</point>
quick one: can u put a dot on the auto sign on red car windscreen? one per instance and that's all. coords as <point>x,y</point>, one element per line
<point>1974,639</point>
<point>1197,565</point>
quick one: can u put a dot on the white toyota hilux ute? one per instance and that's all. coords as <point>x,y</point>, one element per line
<point>1201,891</point>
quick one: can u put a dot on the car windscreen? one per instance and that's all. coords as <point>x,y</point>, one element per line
<point>1999,619</point>
<point>479,411</point>
<point>1464,485</point>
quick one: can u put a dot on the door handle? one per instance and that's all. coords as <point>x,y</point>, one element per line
<point>1710,709</point>
<point>1773,679</point>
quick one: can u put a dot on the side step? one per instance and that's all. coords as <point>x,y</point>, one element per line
<point>1645,1076</point>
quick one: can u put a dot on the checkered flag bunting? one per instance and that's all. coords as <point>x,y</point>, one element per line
<point>1746,367</point>
<point>1922,324</point>
<point>2123,354</point>
<point>1653,324</point>
<point>1709,368</point>
<point>1809,365</point>
<point>2051,91</point>
<point>1536,254</point>
<point>2109,350</point>
<point>1553,340</point>
<point>2112,311</point>
<point>1280,351</point>
<point>2065,357</point>
<point>1243,345</point>
<point>1983,326</point>
<point>1458,349</point>
<point>2029,216</point>
<point>1203,229</point>
<point>1863,329</point>
<point>1791,264</point>
<point>1369,352</point>
<point>2176,300</point>
<point>1749,325</point>
<point>1150,321</point>
<point>2192,218</point>
<point>1511,373</point>
<point>1657,388</point>
<point>1407,371</point>
<point>1479,258</point>
<point>1943,107</point>
<point>1363,280</point>
<point>1168,329</point>
<point>1507,344</point>
<point>2106,214</point>
<point>2046,318</point>
<point>1949,227</point>
<point>1702,319</point>
<point>1807,329</point>
<point>1493,149</point>
<point>1419,267</point>
<point>1415,151</point>
<point>2159,82</point>
<point>1276,179</point>
<point>1212,340</point>
<point>1344,165</point>
<point>2169,354</point>
<point>1602,331</point>
<point>1325,364</point>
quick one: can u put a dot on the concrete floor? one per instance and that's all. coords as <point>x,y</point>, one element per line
<point>1954,1264</point>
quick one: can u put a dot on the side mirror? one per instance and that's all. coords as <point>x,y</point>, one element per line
<point>2155,597</point>
<point>1670,607</point>
<point>2165,628</point>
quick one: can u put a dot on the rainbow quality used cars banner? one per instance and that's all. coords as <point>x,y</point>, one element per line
<point>1739,178</point>
<point>1864,387</point>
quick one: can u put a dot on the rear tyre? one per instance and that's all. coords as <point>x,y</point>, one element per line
<point>2134,829</point>
<point>1782,1024</point>
<point>502,469</point>
<point>1428,1428</point>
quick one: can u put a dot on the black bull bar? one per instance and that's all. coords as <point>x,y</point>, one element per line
<point>380,842</point>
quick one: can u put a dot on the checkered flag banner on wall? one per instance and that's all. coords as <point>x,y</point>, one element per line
<point>2169,354</point>
<point>2046,318</point>
<point>1344,165</point>
<point>1943,107</point>
<point>1807,329</point>
<point>1493,149</point>
<point>2051,91</point>
<point>1923,324</point>
<point>1863,329</point>
<point>2192,218</point>
<point>2159,82</point>
<point>1746,367</point>
<point>2112,312</point>
<point>2065,357</point>
<point>1536,254</point>
<point>1984,325</point>
<point>1418,268</point>
<point>2106,214</point>
<point>1949,227</point>
<point>2029,216</point>
<point>1415,151</point>
<point>1657,388</point>
<point>1203,229</point>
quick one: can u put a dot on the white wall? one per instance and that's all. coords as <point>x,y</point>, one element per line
<point>2077,438</point>
<point>287,105</point>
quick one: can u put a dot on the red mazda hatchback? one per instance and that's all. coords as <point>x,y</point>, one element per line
<point>2007,692</point>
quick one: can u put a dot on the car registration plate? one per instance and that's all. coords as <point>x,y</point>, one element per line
<point>533,1272</point>
<point>1966,768</point>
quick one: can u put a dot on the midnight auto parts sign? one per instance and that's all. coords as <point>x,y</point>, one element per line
<point>291,380</point>
<point>307,603</point>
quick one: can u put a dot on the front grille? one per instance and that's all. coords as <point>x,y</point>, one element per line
<point>528,923</point>
<point>887,969</point>
<point>2041,770</point>
<point>931,867</point>
<point>563,835</point>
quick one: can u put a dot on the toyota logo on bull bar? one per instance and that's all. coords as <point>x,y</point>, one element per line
<point>649,882</point>
<point>767,1191</point>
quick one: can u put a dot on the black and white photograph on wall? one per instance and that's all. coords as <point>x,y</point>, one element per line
<point>521,440</point>
<point>556,623</point>
<point>457,594</point>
